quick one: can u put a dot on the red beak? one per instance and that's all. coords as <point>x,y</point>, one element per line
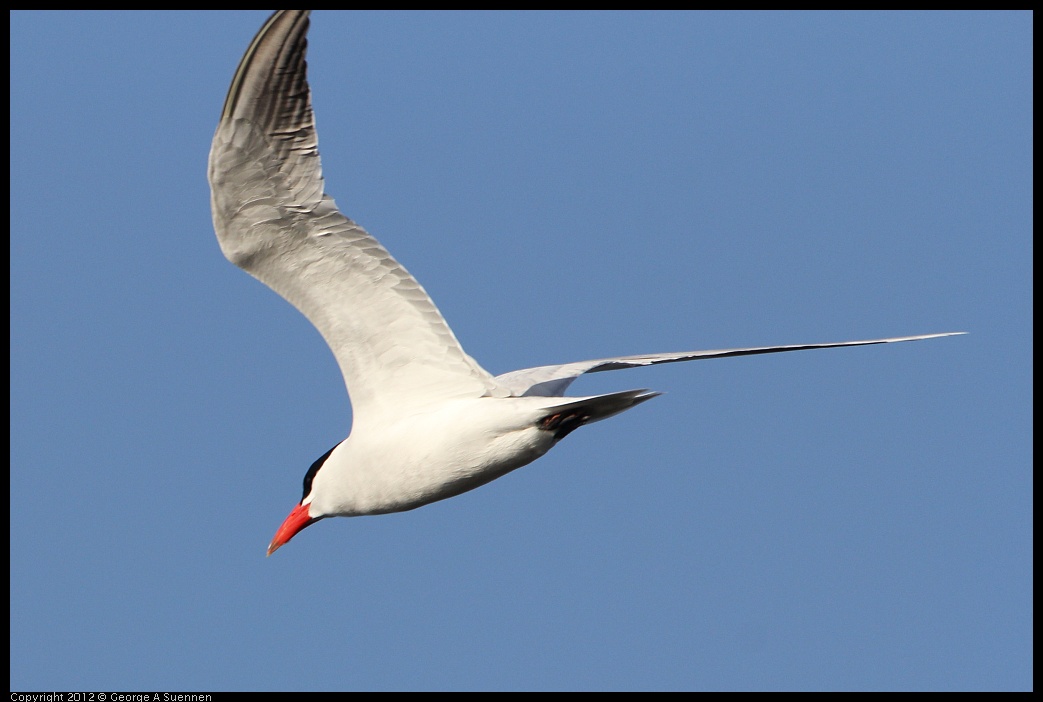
<point>297,520</point>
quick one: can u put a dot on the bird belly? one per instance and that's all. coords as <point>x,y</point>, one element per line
<point>422,459</point>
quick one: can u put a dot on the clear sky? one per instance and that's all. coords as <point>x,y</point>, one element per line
<point>566,186</point>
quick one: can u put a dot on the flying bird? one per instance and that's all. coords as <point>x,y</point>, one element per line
<point>428,421</point>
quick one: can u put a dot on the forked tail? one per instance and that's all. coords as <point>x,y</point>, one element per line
<point>566,418</point>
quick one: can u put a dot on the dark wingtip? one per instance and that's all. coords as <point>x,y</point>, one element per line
<point>285,29</point>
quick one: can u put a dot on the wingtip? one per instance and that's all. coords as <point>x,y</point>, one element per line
<point>938,336</point>
<point>283,23</point>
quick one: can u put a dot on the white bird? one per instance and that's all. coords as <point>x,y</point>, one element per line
<point>428,421</point>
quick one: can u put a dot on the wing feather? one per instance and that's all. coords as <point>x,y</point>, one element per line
<point>552,381</point>
<point>274,220</point>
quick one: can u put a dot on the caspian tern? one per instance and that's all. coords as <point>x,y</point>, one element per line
<point>428,421</point>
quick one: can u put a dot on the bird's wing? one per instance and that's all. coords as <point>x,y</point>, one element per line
<point>552,381</point>
<point>274,220</point>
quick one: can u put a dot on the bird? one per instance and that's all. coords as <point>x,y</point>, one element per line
<point>428,422</point>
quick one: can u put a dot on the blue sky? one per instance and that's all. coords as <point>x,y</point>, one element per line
<point>566,186</point>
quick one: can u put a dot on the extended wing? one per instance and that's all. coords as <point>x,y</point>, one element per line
<point>552,381</point>
<point>274,220</point>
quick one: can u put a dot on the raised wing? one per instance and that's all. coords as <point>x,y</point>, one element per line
<point>274,220</point>
<point>552,381</point>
